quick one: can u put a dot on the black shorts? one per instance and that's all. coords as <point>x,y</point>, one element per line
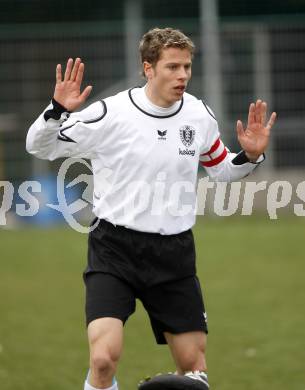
<point>125,264</point>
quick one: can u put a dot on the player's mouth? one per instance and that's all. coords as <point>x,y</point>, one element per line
<point>180,89</point>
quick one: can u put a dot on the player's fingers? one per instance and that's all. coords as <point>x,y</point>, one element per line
<point>263,112</point>
<point>271,121</point>
<point>80,73</point>
<point>58,73</point>
<point>251,115</point>
<point>258,117</point>
<point>68,69</point>
<point>75,69</point>
<point>86,92</point>
<point>240,128</point>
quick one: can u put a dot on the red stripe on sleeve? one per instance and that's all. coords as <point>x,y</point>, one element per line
<point>213,148</point>
<point>216,161</point>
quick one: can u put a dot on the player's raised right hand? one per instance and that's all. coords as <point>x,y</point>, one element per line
<point>67,91</point>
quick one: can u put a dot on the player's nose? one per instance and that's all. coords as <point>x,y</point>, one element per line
<point>183,74</point>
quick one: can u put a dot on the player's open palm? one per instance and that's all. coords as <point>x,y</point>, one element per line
<point>254,139</point>
<point>67,90</point>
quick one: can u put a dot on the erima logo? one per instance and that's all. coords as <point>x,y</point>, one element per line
<point>162,134</point>
<point>187,152</point>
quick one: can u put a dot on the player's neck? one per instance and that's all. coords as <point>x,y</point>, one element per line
<point>155,98</point>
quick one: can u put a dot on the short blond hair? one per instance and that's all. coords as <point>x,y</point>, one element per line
<point>157,39</point>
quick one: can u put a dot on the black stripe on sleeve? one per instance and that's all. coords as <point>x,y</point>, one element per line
<point>241,158</point>
<point>55,112</point>
<point>208,110</point>
<point>63,137</point>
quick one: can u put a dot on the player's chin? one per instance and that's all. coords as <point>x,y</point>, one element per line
<point>177,94</point>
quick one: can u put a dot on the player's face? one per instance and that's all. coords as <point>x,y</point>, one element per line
<point>167,80</point>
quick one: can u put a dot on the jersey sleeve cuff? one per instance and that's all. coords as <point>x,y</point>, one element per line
<point>55,112</point>
<point>241,158</point>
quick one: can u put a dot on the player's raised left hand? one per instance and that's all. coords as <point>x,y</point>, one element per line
<point>255,138</point>
<point>67,90</point>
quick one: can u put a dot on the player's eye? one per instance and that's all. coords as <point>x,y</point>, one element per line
<point>172,67</point>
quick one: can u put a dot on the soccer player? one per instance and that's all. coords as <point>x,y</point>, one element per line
<point>149,140</point>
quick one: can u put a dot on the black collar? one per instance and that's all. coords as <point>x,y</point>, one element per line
<point>147,113</point>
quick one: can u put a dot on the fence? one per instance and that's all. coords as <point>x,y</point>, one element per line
<point>257,60</point>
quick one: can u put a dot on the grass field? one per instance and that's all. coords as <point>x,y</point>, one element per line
<point>252,271</point>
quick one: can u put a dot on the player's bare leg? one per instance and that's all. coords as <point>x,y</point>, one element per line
<point>105,337</point>
<point>188,350</point>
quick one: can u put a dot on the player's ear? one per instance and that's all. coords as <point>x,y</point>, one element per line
<point>148,69</point>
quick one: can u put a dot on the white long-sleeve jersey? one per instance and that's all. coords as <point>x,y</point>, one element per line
<point>144,158</point>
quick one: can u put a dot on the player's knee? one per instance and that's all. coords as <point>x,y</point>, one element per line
<point>103,363</point>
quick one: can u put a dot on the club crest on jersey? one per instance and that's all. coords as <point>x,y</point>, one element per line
<point>187,135</point>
